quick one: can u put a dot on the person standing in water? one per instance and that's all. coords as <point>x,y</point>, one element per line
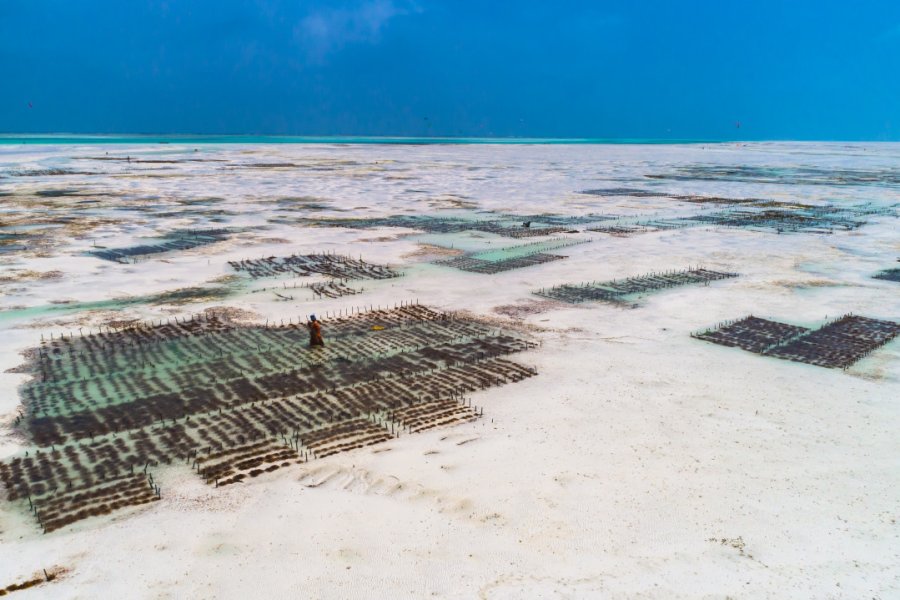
<point>315,332</point>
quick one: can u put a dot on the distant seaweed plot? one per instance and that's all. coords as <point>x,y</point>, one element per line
<point>334,288</point>
<point>630,227</point>
<point>12,242</point>
<point>49,172</point>
<point>512,226</point>
<point>645,193</point>
<point>624,191</point>
<point>808,219</point>
<point>621,290</point>
<point>888,275</point>
<point>512,257</point>
<point>778,217</point>
<point>838,344</point>
<point>171,242</point>
<point>302,265</point>
<point>784,175</point>
<point>157,161</point>
<point>561,220</point>
<point>236,401</point>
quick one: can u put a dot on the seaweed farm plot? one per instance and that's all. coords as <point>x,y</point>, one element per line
<point>332,289</point>
<point>755,214</point>
<point>794,218</point>
<point>783,175</point>
<point>625,228</point>
<point>234,464</point>
<point>753,334</point>
<point>171,242</point>
<point>428,415</point>
<point>565,221</point>
<point>838,344</point>
<point>103,410</point>
<point>512,226</point>
<point>621,290</point>
<point>513,257</point>
<point>335,288</point>
<point>645,193</point>
<point>344,436</point>
<point>888,275</point>
<point>302,265</point>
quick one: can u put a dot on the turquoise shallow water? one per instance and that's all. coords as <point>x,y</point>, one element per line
<point>64,138</point>
<point>186,295</point>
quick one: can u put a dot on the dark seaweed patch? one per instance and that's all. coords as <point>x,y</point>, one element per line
<point>59,193</point>
<point>888,275</point>
<point>173,241</point>
<point>784,175</point>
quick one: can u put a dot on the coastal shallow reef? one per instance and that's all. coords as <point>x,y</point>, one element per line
<point>838,344</point>
<point>512,257</point>
<point>183,395</point>
<point>235,401</point>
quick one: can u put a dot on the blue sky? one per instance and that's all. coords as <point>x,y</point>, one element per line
<point>638,69</point>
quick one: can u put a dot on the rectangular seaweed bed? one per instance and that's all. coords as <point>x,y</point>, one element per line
<point>235,401</point>
<point>619,290</point>
<point>752,334</point>
<point>838,344</point>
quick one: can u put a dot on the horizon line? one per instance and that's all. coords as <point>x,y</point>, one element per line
<point>64,138</point>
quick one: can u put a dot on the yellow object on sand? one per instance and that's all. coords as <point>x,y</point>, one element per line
<point>377,327</point>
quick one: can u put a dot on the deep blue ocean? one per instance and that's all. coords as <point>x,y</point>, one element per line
<point>81,139</point>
